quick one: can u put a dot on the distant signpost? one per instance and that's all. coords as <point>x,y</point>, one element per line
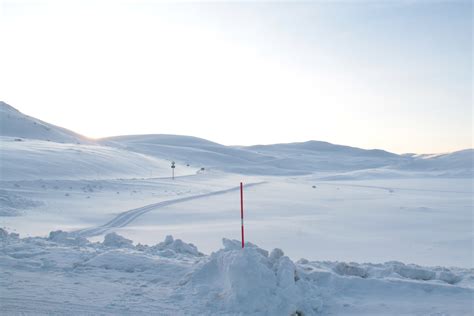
<point>172,169</point>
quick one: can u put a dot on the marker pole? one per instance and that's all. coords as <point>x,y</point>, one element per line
<point>242,211</point>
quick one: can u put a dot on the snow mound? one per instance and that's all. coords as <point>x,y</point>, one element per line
<point>62,237</point>
<point>249,281</point>
<point>343,268</point>
<point>5,236</point>
<point>114,240</point>
<point>415,273</point>
<point>171,247</point>
<point>449,277</point>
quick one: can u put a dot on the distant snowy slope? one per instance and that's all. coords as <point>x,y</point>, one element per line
<point>36,159</point>
<point>278,159</point>
<point>13,123</point>
<point>289,159</point>
<point>459,164</point>
<point>455,164</point>
<point>462,159</point>
<point>192,150</point>
<point>319,146</point>
<point>322,156</point>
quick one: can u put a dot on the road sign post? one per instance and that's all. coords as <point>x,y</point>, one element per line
<point>172,169</point>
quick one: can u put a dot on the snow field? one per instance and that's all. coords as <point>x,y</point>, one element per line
<point>333,205</point>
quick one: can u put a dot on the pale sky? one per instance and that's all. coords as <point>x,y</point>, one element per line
<point>395,75</point>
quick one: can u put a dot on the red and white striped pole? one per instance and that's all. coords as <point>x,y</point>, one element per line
<point>242,211</point>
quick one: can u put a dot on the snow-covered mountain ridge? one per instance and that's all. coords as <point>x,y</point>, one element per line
<point>21,133</point>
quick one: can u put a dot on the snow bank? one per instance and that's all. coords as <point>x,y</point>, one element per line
<point>115,252</point>
<point>249,281</point>
<point>392,270</point>
<point>117,277</point>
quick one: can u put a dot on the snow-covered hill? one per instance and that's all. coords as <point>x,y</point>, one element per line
<point>295,158</point>
<point>41,155</point>
<point>32,149</point>
<point>462,160</point>
<point>31,159</point>
<point>322,156</point>
<point>190,150</point>
<point>13,123</point>
<point>278,159</point>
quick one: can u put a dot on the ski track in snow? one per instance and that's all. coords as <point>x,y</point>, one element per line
<point>125,218</point>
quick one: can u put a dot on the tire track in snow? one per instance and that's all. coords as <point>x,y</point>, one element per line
<point>125,218</point>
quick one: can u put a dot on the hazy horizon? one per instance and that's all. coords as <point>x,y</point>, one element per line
<point>391,75</point>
